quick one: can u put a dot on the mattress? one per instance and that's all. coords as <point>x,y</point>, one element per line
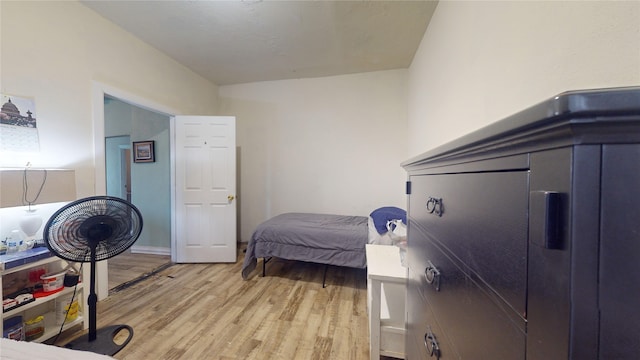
<point>320,238</point>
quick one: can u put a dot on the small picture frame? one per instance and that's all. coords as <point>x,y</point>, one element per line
<point>143,151</point>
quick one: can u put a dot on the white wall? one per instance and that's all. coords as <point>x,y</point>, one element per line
<point>151,182</point>
<point>482,61</point>
<point>329,145</point>
<point>52,51</point>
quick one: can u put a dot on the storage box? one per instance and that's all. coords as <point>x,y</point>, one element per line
<point>13,329</point>
<point>52,282</point>
<point>34,328</point>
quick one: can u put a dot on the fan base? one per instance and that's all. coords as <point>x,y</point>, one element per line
<point>105,341</point>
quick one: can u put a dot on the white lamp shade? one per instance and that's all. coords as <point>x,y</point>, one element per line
<point>30,224</point>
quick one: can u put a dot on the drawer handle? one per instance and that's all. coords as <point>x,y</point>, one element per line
<point>432,275</point>
<point>431,344</point>
<point>435,206</point>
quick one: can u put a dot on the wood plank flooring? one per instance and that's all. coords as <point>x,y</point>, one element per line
<point>206,311</point>
<point>129,266</point>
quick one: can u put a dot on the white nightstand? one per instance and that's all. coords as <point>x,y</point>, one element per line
<point>386,290</point>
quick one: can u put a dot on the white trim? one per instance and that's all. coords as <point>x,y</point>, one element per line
<point>133,100</point>
<point>99,90</point>
<point>151,250</point>
<point>172,167</point>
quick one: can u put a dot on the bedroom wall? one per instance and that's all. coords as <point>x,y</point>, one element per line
<point>329,145</point>
<point>53,51</point>
<point>482,61</point>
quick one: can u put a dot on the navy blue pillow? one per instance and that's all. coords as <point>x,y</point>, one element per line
<point>381,215</point>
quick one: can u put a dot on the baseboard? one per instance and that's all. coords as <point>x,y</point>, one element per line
<point>153,250</point>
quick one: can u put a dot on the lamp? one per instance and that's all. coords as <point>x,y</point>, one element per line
<point>30,223</point>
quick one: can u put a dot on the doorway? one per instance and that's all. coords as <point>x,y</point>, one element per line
<point>147,185</point>
<point>125,172</point>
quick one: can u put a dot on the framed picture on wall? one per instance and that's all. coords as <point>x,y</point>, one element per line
<point>143,151</point>
<point>18,127</point>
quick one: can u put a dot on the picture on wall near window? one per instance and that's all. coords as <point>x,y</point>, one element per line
<point>18,130</point>
<point>143,151</point>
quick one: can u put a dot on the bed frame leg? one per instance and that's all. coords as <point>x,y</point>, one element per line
<point>324,276</point>
<point>264,266</point>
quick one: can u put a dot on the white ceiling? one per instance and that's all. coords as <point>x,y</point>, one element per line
<point>231,42</point>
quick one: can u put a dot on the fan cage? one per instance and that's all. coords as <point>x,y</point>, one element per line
<point>66,232</point>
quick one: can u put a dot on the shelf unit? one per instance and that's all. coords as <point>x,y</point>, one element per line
<point>45,305</point>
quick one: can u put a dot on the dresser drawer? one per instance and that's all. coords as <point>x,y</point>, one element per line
<point>478,323</point>
<point>424,329</point>
<point>481,220</point>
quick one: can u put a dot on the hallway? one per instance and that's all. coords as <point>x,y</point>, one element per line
<point>128,266</point>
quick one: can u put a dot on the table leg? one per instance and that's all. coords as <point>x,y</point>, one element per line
<point>374,320</point>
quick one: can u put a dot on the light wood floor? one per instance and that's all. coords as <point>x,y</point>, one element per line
<point>127,266</point>
<point>206,311</point>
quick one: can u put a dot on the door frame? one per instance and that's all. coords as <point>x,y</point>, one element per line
<point>99,91</point>
<point>125,172</point>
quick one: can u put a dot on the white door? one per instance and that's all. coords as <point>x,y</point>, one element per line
<point>205,159</point>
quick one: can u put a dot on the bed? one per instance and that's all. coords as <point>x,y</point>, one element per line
<point>327,239</point>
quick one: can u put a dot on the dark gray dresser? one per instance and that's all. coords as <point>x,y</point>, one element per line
<point>524,237</point>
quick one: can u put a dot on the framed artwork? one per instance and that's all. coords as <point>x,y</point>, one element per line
<point>18,126</point>
<point>143,151</point>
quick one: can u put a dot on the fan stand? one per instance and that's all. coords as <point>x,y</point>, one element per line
<point>104,343</point>
<point>101,341</point>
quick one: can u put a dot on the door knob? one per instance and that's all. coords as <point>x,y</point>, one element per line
<point>230,197</point>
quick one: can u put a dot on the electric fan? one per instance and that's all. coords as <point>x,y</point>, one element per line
<point>90,230</point>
